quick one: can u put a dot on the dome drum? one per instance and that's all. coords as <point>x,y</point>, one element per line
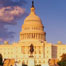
<point>35,36</point>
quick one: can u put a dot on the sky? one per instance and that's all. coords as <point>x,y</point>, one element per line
<point>51,12</point>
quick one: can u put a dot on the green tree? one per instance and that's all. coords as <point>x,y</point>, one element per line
<point>63,60</point>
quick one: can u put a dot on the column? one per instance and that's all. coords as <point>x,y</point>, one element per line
<point>35,35</point>
<point>25,35</point>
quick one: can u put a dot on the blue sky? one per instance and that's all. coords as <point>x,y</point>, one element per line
<point>51,12</point>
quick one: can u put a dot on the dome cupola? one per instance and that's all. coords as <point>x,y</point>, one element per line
<point>32,16</point>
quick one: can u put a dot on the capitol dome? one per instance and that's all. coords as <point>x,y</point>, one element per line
<point>32,29</point>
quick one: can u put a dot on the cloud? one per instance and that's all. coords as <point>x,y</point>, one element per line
<point>1,39</point>
<point>10,10</point>
<point>8,14</point>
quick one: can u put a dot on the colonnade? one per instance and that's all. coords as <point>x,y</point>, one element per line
<point>32,36</point>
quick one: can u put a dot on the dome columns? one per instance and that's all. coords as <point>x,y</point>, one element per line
<point>35,36</point>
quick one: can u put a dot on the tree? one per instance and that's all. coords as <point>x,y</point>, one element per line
<point>1,60</point>
<point>63,60</point>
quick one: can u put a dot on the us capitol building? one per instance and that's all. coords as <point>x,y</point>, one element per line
<point>32,48</point>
